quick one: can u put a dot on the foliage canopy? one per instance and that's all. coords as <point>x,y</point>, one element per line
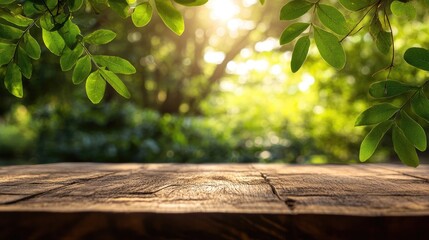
<point>318,21</point>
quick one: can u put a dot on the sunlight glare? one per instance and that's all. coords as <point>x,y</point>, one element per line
<point>222,10</point>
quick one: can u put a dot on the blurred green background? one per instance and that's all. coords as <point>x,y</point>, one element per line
<point>222,92</point>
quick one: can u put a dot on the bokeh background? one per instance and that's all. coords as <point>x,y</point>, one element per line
<point>221,92</point>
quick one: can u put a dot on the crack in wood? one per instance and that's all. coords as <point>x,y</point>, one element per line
<point>406,174</point>
<point>289,202</point>
<point>19,200</point>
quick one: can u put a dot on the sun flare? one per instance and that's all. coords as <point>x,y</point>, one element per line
<point>223,10</point>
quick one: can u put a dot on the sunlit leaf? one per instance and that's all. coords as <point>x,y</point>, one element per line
<point>24,63</point>
<point>82,70</point>
<point>95,87</point>
<point>376,114</point>
<point>292,32</point>
<point>115,82</point>
<point>31,46</point>
<point>389,88</point>
<point>13,80</point>
<point>333,19</point>
<point>403,9</point>
<point>53,41</point>
<point>142,14</point>
<point>10,33</point>
<point>193,2</point>
<point>295,9</point>
<point>405,150</point>
<point>69,57</point>
<point>172,18</point>
<point>420,105</point>
<point>101,36</point>
<point>356,5</point>
<point>115,64</point>
<point>371,141</point>
<point>330,48</point>
<point>6,53</point>
<point>413,131</point>
<point>300,52</point>
<point>417,57</point>
<point>17,20</point>
<point>70,32</point>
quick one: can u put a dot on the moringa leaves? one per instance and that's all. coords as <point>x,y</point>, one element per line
<point>376,114</point>
<point>292,32</point>
<point>417,57</point>
<point>413,131</point>
<point>300,53</point>
<point>172,18</point>
<point>95,87</point>
<point>329,48</point>
<point>115,64</point>
<point>332,19</point>
<point>389,88</point>
<point>405,150</point>
<point>295,9</point>
<point>101,36</point>
<point>371,141</point>
<point>142,14</point>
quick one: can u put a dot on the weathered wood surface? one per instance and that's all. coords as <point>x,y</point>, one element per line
<point>223,201</point>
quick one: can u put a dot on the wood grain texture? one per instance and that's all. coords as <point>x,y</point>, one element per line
<point>214,201</point>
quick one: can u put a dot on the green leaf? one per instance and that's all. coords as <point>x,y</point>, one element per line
<point>376,114</point>
<point>95,87</point>
<point>115,64</point>
<point>420,105</point>
<point>295,9</point>
<point>31,8</point>
<point>172,18</point>
<point>413,131</point>
<point>142,15</point>
<point>121,7</point>
<point>82,70</point>
<point>115,82</point>
<point>70,32</point>
<point>357,5</point>
<point>292,32</point>
<point>192,2</point>
<point>384,41</point>
<point>70,57</point>
<point>300,52</point>
<point>262,2</point>
<point>405,150</point>
<point>75,5</point>
<point>389,88</point>
<point>371,141</point>
<point>4,2</point>
<point>31,46</point>
<point>330,48</point>
<point>403,9</point>
<point>10,33</point>
<point>47,21</point>
<point>17,20</point>
<point>24,63</point>
<point>6,53</point>
<point>53,41</point>
<point>13,80</point>
<point>417,57</point>
<point>101,36</point>
<point>333,19</point>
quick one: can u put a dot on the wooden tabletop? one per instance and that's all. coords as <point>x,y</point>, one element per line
<point>251,200</point>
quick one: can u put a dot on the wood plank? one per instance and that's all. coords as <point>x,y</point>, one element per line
<point>249,200</point>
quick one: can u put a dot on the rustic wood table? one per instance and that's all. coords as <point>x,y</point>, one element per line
<point>213,201</point>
